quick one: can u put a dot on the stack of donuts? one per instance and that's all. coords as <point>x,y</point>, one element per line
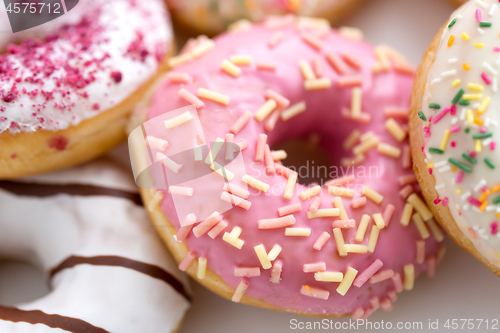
<point>410,153</point>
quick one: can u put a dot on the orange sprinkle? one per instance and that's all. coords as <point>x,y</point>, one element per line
<point>483,206</point>
<point>495,189</point>
<point>466,66</point>
<point>450,40</point>
<point>454,169</point>
<point>484,196</point>
<point>478,121</point>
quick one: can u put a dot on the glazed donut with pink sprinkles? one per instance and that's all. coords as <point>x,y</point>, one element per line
<point>346,246</point>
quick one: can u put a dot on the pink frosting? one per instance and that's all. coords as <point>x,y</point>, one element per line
<point>396,245</point>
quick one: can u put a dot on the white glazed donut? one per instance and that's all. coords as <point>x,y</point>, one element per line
<point>108,270</point>
<point>66,90</point>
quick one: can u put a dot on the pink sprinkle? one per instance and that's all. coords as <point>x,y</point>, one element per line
<point>436,201</point>
<point>493,145</point>
<point>455,129</point>
<point>261,148</point>
<point>398,283</point>
<point>188,259</point>
<point>96,106</point>
<point>406,191</point>
<point>317,67</point>
<point>483,129</point>
<point>279,222</point>
<point>290,209</point>
<point>395,112</point>
<point>479,16</point>
<point>375,302</point>
<point>344,224</point>
<point>313,208</point>
<point>472,154</point>
<point>445,202</point>
<point>217,229</point>
<point>117,76</point>
<point>453,110</point>
<point>393,295</point>
<point>178,77</point>
<point>190,98</point>
<point>275,39</point>
<point>235,200</point>
<point>276,272</point>
<point>284,171</point>
<point>336,62</point>
<point>314,292</point>
<point>183,232</point>
<point>460,176</point>
<point>247,271</point>
<point>382,276</point>
<point>272,120</point>
<point>368,273</point>
<point>406,157</point>
<point>387,215</point>
<point>386,304</point>
<point>441,115</point>
<point>267,66</point>
<point>233,189</point>
<point>282,101</point>
<point>352,61</point>
<point>420,251</point>
<point>453,144</point>
<point>358,313</point>
<point>430,171</point>
<point>431,266</point>
<point>494,228</point>
<point>358,202</point>
<point>496,49</point>
<point>315,267</point>
<point>242,144</point>
<point>241,122</point>
<point>268,159</point>
<point>475,202</point>
<point>206,225</point>
<point>312,41</point>
<point>340,181</point>
<point>486,78</point>
<point>321,241</point>
<point>347,81</point>
<point>484,188</point>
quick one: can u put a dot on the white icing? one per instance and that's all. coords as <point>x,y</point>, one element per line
<point>468,217</point>
<point>46,231</point>
<point>121,20</point>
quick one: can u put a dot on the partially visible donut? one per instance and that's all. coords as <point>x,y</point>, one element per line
<point>454,129</point>
<point>65,97</point>
<point>108,270</point>
<point>214,16</point>
<point>282,245</point>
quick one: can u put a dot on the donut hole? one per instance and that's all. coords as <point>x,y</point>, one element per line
<point>20,282</point>
<point>309,158</point>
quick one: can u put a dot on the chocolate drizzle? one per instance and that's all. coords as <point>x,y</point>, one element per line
<point>48,190</point>
<point>33,317</point>
<point>151,270</point>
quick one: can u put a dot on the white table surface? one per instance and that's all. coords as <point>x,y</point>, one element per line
<point>462,287</point>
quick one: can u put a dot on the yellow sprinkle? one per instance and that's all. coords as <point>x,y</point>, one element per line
<point>471,97</point>
<point>214,151</point>
<point>366,145</point>
<point>341,191</point>
<point>389,150</point>
<point>325,212</point>
<point>409,277</point>
<point>466,66</point>
<point>230,68</point>
<point>444,141</point>
<point>379,220</point>
<point>290,186</point>
<point>255,183</point>
<point>301,232</point>
<point>406,216</point>
<point>397,131</point>
<point>232,238</point>
<point>337,202</point>
<point>243,60</point>
<point>329,276</point>
<point>310,192</point>
<point>262,255</point>
<point>306,70</point>
<point>470,116</point>
<point>372,240</point>
<point>347,281</point>
<point>363,224</point>
<point>450,40</point>
<point>293,110</point>
<point>339,239</point>
<point>202,268</point>
<point>265,110</point>
<point>484,105</point>
<point>356,99</point>
<point>458,191</point>
<point>419,223</point>
<point>479,45</point>
<point>351,139</point>
<point>317,84</point>
<point>202,48</point>
<point>436,232</point>
<point>465,36</point>
<point>179,120</point>
<point>219,169</point>
<point>355,248</point>
<point>430,165</point>
<point>274,253</point>
<point>372,195</point>
<point>213,96</point>
<point>455,83</point>
<point>420,206</point>
<point>475,86</point>
<point>179,60</point>
<point>478,146</point>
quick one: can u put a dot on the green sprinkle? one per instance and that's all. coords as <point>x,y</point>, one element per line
<point>452,23</point>
<point>467,130</point>
<point>482,135</point>
<point>436,151</point>
<point>490,163</point>
<point>464,103</point>
<point>485,24</point>
<point>458,96</point>
<point>460,165</point>
<point>469,158</point>
<point>496,200</point>
<point>434,106</point>
<point>422,115</point>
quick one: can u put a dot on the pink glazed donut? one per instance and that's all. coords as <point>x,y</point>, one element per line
<point>347,246</point>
